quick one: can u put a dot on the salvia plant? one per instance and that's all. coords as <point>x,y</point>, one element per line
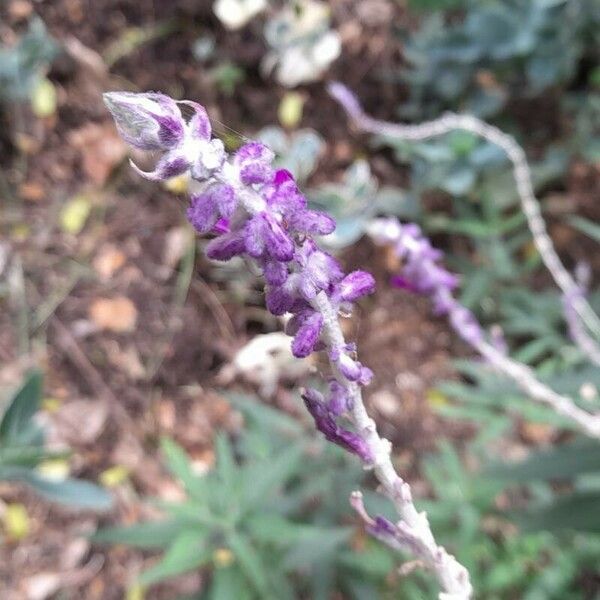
<point>257,212</point>
<point>302,44</point>
<point>23,452</point>
<point>355,200</point>
<point>24,64</point>
<point>502,49</point>
<point>263,522</point>
<point>298,151</point>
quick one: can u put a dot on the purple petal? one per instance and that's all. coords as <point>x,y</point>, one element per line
<point>381,527</point>
<point>275,272</point>
<point>280,299</point>
<point>338,401</point>
<point>226,246</point>
<point>281,176</point>
<point>307,336</point>
<point>221,226</point>
<point>256,172</point>
<point>278,243</point>
<point>313,222</point>
<point>253,151</point>
<point>199,125</point>
<point>170,165</point>
<point>225,199</point>
<point>254,236</point>
<point>354,286</point>
<point>203,212</point>
<point>325,423</point>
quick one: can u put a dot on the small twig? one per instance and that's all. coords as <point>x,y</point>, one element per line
<point>530,205</point>
<point>77,356</point>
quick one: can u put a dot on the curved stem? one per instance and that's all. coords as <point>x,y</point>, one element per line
<point>522,174</point>
<point>413,529</point>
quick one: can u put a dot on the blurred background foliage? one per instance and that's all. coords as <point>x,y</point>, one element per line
<point>271,520</point>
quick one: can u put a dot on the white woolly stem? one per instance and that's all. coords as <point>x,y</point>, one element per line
<point>522,174</point>
<point>414,527</point>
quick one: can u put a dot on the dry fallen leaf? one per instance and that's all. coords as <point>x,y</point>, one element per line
<point>177,242</point>
<point>108,261</point>
<point>67,427</point>
<point>31,191</point>
<point>115,314</point>
<point>101,148</point>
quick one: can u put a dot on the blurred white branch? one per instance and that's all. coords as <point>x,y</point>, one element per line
<point>451,122</point>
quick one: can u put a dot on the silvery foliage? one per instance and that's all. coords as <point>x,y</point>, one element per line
<point>302,43</point>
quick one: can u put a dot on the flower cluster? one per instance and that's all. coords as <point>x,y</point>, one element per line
<point>258,213</point>
<point>422,273</point>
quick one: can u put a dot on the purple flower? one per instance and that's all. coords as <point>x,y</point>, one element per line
<point>325,423</point>
<point>254,163</point>
<point>218,201</point>
<point>382,527</point>
<point>306,328</point>
<point>265,236</point>
<point>354,286</point>
<point>226,246</point>
<point>338,401</point>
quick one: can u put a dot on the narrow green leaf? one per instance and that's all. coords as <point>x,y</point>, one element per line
<point>563,462</point>
<point>250,562</point>
<point>21,408</point>
<point>71,492</point>
<point>577,511</point>
<point>225,461</point>
<point>188,551</point>
<point>258,480</point>
<point>178,464</point>
<point>586,226</point>
<point>153,534</point>
<point>228,583</point>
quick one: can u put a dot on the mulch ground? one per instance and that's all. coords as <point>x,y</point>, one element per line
<point>122,386</point>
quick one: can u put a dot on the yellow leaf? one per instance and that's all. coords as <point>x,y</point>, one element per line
<point>116,314</point>
<point>20,232</point>
<point>56,469</point>
<point>223,557</point>
<point>114,476</point>
<point>74,214</point>
<point>436,398</point>
<point>135,592</point>
<point>51,405</point>
<point>43,98</point>
<point>290,109</point>
<point>16,521</point>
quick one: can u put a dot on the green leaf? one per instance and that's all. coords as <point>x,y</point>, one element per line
<point>153,534</point>
<point>179,465</point>
<point>577,511</point>
<point>228,583</point>
<point>586,226</point>
<point>315,546</point>
<point>225,461</point>
<point>258,480</point>
<point>250,562</point>
<point>188,551</point>
<point>72,492</point>
<point>21,409</point>
<point>563,462</point>
<point>27,456</point>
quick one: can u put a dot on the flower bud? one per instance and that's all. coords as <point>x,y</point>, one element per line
<point>149,121</point>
